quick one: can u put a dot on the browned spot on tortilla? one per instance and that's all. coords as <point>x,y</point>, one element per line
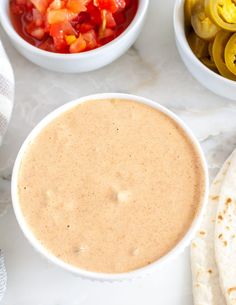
<point>231,290</point>
<point>225,243</point>
<point>228,201</point>
<point>220,217</point>
<point>233,236</point>
<point>227,228</point>
<point>220,236</point>
<point>217,181</point>
<point>202,232</point>
<point>210,271</point>
<point>197,285</point>
<point>214,197</point>
<point>194,245</point>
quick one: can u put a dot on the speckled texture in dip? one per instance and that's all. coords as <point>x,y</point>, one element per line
<point>110,185</point>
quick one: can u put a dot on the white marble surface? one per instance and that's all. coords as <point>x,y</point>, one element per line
<point>151,68</point>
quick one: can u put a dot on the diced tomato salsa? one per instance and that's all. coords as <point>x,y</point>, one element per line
<point>71,26</point>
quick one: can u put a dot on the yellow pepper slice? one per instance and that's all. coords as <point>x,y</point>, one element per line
<point>210,47</point>
<point>209,63</point>
<point>188,5</point>
<point>223,13</point>
<point>208,60</point>
<point>230,54</point>
<point>202,24</point>
<point>198,45</point>
<point>218,50</point>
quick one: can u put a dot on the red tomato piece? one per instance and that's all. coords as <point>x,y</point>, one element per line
<point>85,27</point>
<point>58,32</point>
<point>119,17</point>
<point>94,13</point>
<point>110,21</point>
<point>16,9</point>
<point>110,5</point>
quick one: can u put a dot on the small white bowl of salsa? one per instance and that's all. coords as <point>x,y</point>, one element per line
<point>72,36</point>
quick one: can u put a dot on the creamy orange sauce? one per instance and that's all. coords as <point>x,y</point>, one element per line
<point>110,185</point>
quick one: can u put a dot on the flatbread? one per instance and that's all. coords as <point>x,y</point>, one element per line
<point>225,234</point>
<point>206,286</point>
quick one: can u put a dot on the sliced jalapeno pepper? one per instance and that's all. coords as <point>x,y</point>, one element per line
<point>202,24</point>
<point>218,51</point>
<point>230,54</point>
<point>208,60</point>
<point>223,13</point>
<point>210,46</point>
<point>209,63</point>
<point>198,45</point>
<point>188,5</point>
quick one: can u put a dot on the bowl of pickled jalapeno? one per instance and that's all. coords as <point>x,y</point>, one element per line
<point>205,33</point>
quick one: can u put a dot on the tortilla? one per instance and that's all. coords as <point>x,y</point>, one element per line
<point>206,286</point>
<point>225,234</point>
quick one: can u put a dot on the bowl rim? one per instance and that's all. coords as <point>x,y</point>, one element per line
<point>13,35</point>
<point>179,29</point>
<point>182,244</point>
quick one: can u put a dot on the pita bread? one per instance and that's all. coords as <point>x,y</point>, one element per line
<point>206,286</point>
<point>225,234</point>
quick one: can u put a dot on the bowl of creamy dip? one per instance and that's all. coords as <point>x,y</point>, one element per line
<point>110,186</point>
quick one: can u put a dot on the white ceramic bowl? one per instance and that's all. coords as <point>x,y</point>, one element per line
<point>93,275</point>
<point>209,79</point>
<point>75,63</point>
